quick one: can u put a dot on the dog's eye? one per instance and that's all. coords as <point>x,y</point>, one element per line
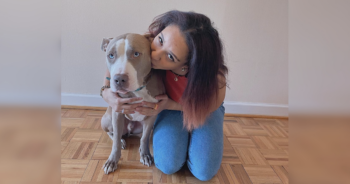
<point>136,54</point>
<point>111,56</point>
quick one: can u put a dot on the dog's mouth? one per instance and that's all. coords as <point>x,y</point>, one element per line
<point>122,91</point>
<point>118,89</point>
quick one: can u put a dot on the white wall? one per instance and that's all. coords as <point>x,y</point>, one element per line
<point>254,33</point>
<point>319,55</point>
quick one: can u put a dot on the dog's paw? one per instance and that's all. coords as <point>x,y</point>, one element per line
<point>146,159</point>
<point>110,166</point>
<point>123,143</point>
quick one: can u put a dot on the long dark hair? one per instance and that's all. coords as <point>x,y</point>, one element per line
<point>205,61</point>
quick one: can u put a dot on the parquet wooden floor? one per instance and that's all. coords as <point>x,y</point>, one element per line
<point>255,151</point>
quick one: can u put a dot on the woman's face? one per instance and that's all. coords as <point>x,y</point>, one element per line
<point>169,49</point>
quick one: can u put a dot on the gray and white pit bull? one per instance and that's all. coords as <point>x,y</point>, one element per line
<point>128,59</point>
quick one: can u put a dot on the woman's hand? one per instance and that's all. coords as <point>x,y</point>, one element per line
<point>152,109</point>
<point>118,104</point>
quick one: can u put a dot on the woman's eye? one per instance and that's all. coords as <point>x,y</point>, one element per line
<point>160,40</point>
<point>136,54</point>
<point>170,57</point>
<point>111,56</point>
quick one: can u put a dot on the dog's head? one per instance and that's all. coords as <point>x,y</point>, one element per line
<point>128,60</point>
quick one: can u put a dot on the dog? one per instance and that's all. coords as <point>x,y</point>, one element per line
<point>128,59</point>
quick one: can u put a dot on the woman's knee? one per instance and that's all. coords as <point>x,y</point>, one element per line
<point>170,153</point>
<point>170,142</point>
<point>205,173</point>
<point>169,166</point>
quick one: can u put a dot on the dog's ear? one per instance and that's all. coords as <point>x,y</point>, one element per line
<point>149,37</point>
<point>105,43</point>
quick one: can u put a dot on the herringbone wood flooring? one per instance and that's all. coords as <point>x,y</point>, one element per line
<point>255,151</point>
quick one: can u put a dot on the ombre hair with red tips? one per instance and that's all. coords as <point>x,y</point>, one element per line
<point>205,62</point>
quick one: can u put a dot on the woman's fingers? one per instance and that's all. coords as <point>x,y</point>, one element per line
<point>145,110</point>
<point>149,104</point>
<point>127,111</point>
<point>130,106</point>
<point>130,100</point>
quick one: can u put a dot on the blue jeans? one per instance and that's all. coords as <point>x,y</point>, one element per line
<point>202,149</point>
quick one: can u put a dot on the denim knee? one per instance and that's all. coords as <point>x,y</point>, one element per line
<point>206,147</point>
<point>170,142</point>
<point>204,174</point>
<point>168,167</point>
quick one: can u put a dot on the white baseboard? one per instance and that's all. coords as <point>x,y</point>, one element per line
<point>82,100</point>
<point>230,107</point>
<point>256,108</point>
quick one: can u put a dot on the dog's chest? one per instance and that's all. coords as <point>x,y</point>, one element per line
<point>146,97</point>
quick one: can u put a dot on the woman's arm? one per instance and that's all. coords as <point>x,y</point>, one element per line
<point>106,81</point>
<point>152,109</point>
<point>172,105</point>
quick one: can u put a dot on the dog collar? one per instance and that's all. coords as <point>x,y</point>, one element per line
<point>138,89</point>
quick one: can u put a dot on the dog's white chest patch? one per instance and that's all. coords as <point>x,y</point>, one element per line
<point>146,97</point>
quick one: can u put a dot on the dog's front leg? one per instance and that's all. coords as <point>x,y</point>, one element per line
<point>145,155</point>
<point>118,126</point>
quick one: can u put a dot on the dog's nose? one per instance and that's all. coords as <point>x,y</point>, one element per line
<point>121,80</point>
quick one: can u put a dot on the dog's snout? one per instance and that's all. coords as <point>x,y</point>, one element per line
<point>121,80</point>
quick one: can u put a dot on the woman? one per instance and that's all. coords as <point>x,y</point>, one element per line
<point>189,126</point>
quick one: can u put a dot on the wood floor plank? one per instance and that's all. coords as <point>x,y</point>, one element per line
<point>231,119</point>
<point>226,173</point>
<point>275,157</point>
<point>281,173</point>
<point>68,134</point>
<point>229,155</point>
<point>222,176</point>
<point>73,170</point>
<point>63,146</point>
<point>251,156</point>
<point>281,142</point>
<point>91,122</point>
<point>265,121</point>
<point>79,150</point>
<point>87,135</point>
<point>90,170</point>
<point>233,129</point>
<point>248,121</point>
<point>262,174</point>
<point>75,113</point>
<point>241,141</point>
<point>72,122</point>
<point>254,130</point>
<point>240,175</point>
<point>275,131</point>
<point>135,175</point>
<point>264,142</point>
<point>63,111</point>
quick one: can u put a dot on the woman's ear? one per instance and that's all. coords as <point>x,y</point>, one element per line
<point>184,68</point>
